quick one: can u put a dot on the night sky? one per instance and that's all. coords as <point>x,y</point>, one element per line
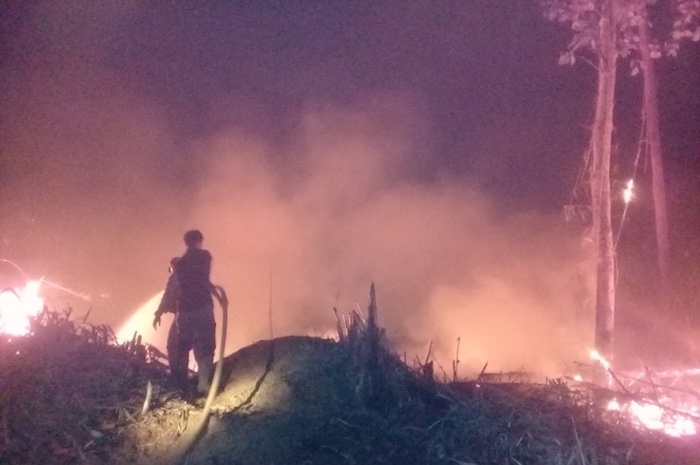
<point>429,147</point>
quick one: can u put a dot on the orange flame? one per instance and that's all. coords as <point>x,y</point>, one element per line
<point>595,355</point>
<point>17,307</point>
<point>671,416</point>
<point>656,417</point>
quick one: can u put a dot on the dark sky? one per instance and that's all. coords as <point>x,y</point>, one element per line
<point>428,146</point>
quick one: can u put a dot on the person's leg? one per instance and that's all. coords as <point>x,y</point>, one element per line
<point>172,345</point>
<point>179,346</point>
<point>204,345</point>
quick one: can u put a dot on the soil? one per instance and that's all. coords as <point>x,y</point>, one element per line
<point>274,393</point>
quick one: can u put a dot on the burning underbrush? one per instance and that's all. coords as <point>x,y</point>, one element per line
<point>66,388</point>
<point>70,394</point>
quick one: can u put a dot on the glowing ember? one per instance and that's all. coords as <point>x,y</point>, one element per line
<point>614,405</point>
<point>627,193</point>
<point>595,355</point>
<point>17,307</point>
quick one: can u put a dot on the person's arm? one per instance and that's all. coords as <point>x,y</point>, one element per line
<point>168,303</point>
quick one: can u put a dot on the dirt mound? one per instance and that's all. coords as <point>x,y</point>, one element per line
<point>274,392</point>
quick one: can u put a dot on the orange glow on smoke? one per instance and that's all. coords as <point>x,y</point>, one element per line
<point>18,306</point>
<point>140,322</point>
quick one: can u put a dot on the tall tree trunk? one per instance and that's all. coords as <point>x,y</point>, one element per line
<point>601,148</point>
<point>651,129</point>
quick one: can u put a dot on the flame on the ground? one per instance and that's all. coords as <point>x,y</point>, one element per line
<point>660,417</point>
<point>655,417</point>
<point>18,306</point>
<point>672,415</point>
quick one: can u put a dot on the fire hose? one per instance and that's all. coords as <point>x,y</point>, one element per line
<point>199,428</point>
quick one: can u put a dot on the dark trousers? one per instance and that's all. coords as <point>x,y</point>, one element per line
<point>194,330</point>
<point>178,363</point>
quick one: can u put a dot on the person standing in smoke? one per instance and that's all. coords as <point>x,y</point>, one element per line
<point>195,322</point>
<point>169,304</point>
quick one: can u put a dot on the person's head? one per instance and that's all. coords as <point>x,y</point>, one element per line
<point>193,238</point>
<point>173,262</point>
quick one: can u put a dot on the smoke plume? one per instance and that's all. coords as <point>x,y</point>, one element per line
<point>302,205</point>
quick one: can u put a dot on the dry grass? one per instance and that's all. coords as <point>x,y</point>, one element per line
<point>69,394</point>
<point>67,389</point>
<point>473,422</point>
